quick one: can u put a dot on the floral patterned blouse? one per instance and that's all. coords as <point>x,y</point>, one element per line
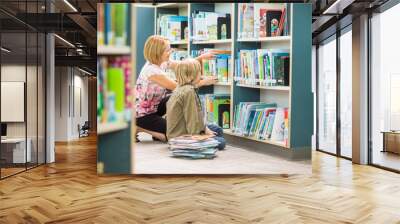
<point>148,93</point>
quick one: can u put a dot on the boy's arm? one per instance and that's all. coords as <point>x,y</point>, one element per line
<point>192,114</point>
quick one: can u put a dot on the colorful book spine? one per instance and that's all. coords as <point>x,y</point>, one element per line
<point>263,67</point>
<point>263,121</point>
<point>114,90</point>
<point>113,24</point>
<point>257,22</point>
<point>210,26</point>
<point>172,26</point>
<point>220,66</point>
<point>100,24</point>
<point>216,109</point>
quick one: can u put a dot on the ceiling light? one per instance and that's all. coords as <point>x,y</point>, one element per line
<point>84,71</point>
<point>338,6</point>
<point>5,50</point>
<point>70,5</point>
<point>64,40</point>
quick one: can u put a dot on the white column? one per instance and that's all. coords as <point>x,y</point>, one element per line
<point>360,90</point>
<point>50,94</point>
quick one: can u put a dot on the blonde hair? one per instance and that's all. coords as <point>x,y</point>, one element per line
<point>187,71</point>
<point>154,48</point>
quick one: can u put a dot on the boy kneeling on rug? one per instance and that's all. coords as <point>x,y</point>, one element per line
<point>184,111</point>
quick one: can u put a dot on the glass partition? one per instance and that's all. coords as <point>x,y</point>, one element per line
<point>327,96</point>
<point>385,90</point>
<point>346,93</point>
<point>22,77</point>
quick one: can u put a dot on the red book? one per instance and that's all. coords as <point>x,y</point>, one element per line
<point>263,22</point>
<point>282,22</point>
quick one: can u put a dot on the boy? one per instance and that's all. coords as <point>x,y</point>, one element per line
<point>184,113</point>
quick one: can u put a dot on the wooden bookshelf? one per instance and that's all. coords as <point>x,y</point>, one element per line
<point>278,88</point>
<point>105,128</point>
<point>113,50</point>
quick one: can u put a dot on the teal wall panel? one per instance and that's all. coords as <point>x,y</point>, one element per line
<point>114,151</point>
<point>302,118</point>
<point>145,26</point>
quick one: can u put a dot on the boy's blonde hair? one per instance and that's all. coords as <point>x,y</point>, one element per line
<point>154,48</point>
<point>187,71</point>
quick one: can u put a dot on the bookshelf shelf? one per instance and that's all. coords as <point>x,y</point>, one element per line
<point>295,100</point>
<point>278,88</point>
<point>113,50</point>
<point>223,84</point>
<point>225,41</point>
<point>105,128</point>
<point>180,42</point>
<point>266,39</point>
<point>280,144</point>
<point>172,5</point>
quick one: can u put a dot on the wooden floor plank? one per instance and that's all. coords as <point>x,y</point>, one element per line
<point>70,191</point>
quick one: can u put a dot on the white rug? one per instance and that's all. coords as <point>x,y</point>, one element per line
<point>152,157</point>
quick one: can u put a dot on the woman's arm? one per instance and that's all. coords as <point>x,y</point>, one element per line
<point>164,81</point>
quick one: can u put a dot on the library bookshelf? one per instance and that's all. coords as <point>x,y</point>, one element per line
<point>297,97</point>
<point>114,139</point>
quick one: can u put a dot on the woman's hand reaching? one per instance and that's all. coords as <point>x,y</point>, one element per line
<point>206,56</point>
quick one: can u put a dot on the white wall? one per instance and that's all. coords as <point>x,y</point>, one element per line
<point>71,93</point>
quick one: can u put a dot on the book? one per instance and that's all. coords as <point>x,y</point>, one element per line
<point>263,121</point>
<point>272,21</point>
<point>257,21</point>
<point>218,66</point>
<point>193,147</point>
<point>113,24</point>
<point>210,26</point>
<point>100,24</point>
<point>263,67</point>
<point>179,54</point>
<point>216,109</point>
<point>246,18</point>
<point>224,27</point>
<point>114,90</point>
<point>263,22</point>
<point>172,26</point>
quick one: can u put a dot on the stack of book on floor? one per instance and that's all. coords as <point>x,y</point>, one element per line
<point>219,66</point>
<point>263,67</point>
<point>216,108</point>
<point>173,27</point>
<point>211,26</point>
<point>263,121</point>
<point>257,21</point>
<point>193,147</point>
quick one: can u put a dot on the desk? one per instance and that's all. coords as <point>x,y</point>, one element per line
<point>15,148</point>
<point>391,141</point>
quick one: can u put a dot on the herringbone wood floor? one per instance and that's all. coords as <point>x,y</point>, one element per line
<point>69,191</point>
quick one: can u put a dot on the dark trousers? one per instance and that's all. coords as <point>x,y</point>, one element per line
<point>219,135</point>
<point>155,121</point>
